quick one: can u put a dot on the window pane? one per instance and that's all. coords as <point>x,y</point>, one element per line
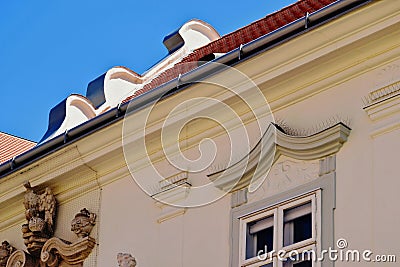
<point>302,228</point>
<point>303,264</point>
<point>259,235</point>
<point>298,264</point>
<point>297,224</point>
<point>265,238</point>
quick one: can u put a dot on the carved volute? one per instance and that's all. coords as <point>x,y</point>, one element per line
<point>57,252</point>
<point>5,251</point>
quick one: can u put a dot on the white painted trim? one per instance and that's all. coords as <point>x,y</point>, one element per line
<point>281,210</point>
<point>277,211</point>
<point>384,108</point>
<point>243,227</point>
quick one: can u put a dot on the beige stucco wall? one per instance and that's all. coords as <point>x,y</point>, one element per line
<point>130,225</point>
<point>367,179</point>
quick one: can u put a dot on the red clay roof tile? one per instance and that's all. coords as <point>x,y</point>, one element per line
<point>240,36</point>
<point>11,146</point>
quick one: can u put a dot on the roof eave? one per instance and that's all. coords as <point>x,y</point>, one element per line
<point>244,52</point>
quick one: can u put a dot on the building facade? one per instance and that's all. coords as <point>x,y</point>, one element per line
<point>274,145</point>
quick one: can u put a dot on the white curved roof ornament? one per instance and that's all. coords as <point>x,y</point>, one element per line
<point>194,33</point>
<point>118,83</point>
<point>69,113</point>
<point>121,82</point>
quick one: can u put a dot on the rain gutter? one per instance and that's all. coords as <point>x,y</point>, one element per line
<point>245,51</point>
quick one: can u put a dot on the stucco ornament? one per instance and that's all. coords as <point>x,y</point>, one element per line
<point>83,223</point>
<point>126,260</point>
<point>44,250</point>
<point>40,213</point>
<point>57,252</point>
<point>5,251</point>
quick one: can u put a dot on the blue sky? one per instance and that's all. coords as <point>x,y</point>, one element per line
<point>51,49</point>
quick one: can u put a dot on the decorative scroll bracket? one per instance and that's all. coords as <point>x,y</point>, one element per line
<point>56,251</point>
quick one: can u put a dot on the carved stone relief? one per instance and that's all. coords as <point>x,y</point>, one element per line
<point>5,251</point>
<point>285,174</point>
<point>44,249</point>
<point>83,223</point>
<point>21,258</point>
<point>40,212</point>
<point>126,260</point>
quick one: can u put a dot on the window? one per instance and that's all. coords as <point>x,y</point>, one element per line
<point>297,224</point>
<point>259,234</point>
<point>289,228</point>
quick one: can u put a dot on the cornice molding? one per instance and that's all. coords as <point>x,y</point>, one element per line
<point>322,144</point>
<point>272,145</point>
<point>382,105</point>
<point>384,108</point>
<point>344,34</point>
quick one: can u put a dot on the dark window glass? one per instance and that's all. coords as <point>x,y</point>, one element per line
<point>306,263</point>
<point>265,238</point>
<point>303,264</point>
<point>302,228</point>
<point>260,235</point>
<point>297,224</point>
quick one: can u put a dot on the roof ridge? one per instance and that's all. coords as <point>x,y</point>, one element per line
<point>19,137</point>
<point>245,34</point>
<point>263,18</point>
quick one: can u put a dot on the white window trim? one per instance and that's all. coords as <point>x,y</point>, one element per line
<point>300,250</point>
<point>243,228</point>
<point>277,210</point>
<point>310,198</point>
